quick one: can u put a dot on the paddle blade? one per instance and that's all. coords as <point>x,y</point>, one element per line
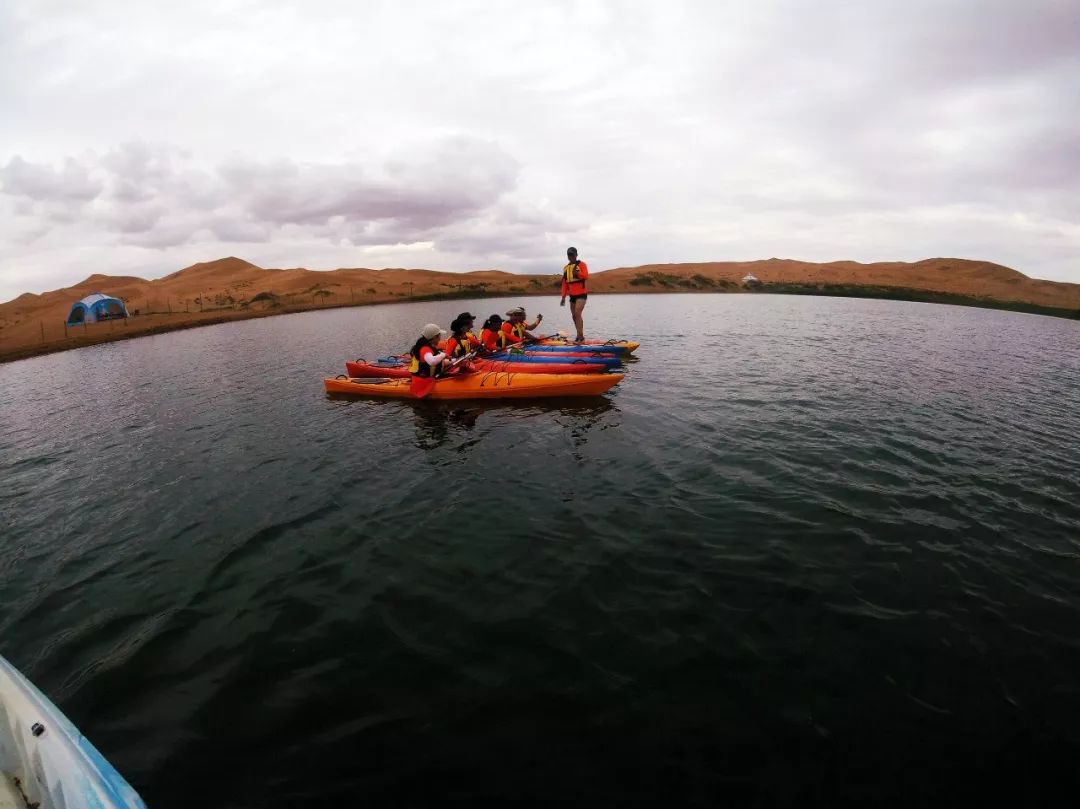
<point>421,386</point>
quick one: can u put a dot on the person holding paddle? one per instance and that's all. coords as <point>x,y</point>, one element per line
<point>516,329</point>
<point>575,274</point>
<point>426,362</point>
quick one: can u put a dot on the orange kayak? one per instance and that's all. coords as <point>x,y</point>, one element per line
<point>361,368</point>
<point>481,386</point>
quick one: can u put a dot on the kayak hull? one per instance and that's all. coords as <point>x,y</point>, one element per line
<point>543,358</point>
<point>628,345</point>
<point>481,386</point>
<point>54,763</point>
<point>572,348</point>
<point>362,369</point>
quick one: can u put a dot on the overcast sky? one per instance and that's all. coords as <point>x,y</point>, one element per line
<point>140,137</point>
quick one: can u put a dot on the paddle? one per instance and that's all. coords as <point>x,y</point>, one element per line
<point>520,346</point>
<point>421,386</point>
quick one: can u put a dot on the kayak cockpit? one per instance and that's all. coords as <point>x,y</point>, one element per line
<point>10,796</point>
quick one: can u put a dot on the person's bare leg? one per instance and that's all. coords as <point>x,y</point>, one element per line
<point>579,321</point>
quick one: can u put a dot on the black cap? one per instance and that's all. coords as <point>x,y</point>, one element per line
<point>464,317</point>
<point>493,319</point>
<point>571,251</point>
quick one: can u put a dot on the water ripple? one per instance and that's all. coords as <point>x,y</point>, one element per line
<point>809,549</point>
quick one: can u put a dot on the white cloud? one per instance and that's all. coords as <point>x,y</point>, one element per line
<point>475,135</point>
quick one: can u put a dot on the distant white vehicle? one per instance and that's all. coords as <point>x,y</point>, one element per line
<point>750,280</point>
<point>45,762</point>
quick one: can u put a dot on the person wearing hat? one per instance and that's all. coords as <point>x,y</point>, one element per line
<point>425,360</point>
<point>516,329</point>
<point>462,340</point>
<point>492,337</point>
<point>575,274</point>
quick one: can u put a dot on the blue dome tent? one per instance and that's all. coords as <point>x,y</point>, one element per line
<point>96,307</point>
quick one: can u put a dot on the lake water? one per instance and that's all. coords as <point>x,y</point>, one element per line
<point>811,551</point>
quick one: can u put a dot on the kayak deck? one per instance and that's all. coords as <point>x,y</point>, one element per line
<point>9,794</point>
<point>54,764</point>
<point>629,346</point>
<point>401,370</point>
<point>493,385</point>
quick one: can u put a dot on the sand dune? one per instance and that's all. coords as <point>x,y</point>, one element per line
<point>231,289</point>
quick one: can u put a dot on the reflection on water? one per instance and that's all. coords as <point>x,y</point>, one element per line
<point>436,421</point>
<point>810,551</point>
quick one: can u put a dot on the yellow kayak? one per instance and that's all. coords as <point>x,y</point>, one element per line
<point>629,345</point>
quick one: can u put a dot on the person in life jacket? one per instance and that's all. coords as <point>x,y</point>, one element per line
<point>462,341</point>
<point>575,274</point>
<point>516,329</point>
<point>425,360</point>
<point>492,337</point>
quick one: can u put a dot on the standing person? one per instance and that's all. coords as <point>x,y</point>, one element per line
<point>516,328</point>
<point>425,360</point>
<point>575,274</point>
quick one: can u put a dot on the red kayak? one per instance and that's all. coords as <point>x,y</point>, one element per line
<point>361,369</point>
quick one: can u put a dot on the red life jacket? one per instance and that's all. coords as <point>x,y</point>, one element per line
<point>459,346</point>
<point>419,366</point>
<point>493,340</point>
<point>574,275</point>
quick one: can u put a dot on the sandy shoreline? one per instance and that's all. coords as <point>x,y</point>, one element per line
<point>232,289</point>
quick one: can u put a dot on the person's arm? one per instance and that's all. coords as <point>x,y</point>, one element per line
<point>430,357</point>
<point>583,271</point>
<point>510,336</point>
<point>565,289</point>
<point>534,324</point>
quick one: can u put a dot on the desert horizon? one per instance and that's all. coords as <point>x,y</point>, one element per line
<point>232,288</point>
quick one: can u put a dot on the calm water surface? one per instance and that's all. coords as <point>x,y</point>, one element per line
<point>811,551</point>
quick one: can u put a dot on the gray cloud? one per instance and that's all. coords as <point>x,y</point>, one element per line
<point>155,197</point>
<point>462,135</point>
<point>70,182</point>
